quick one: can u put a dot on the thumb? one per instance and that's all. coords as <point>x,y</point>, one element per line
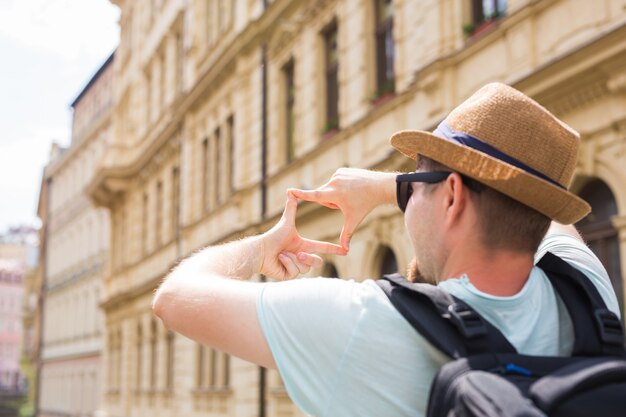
<point>291,206</point>
<point>346,234</point>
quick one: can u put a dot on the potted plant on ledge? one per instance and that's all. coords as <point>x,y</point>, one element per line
<point>330,128</point>
<point>383,94</point>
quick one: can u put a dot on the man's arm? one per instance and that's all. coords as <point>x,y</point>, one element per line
<point>206,298</point>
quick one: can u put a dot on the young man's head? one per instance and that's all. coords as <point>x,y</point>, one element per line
<point>507,165</point>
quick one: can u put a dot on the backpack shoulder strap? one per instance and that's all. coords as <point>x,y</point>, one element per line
<point>597,330</point>
<point>445,321</point>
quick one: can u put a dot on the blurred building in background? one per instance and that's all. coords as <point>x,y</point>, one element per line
<point>219,106</point>
<point>74,255</point>
<point>18,258</point>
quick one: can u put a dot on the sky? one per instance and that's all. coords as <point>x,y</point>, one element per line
<point>49,49</point>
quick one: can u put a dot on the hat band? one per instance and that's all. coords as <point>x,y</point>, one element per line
<point>445,131</point>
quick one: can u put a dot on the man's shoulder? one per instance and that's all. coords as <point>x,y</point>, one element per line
<point>576,253</point>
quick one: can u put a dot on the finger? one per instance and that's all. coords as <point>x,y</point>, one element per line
<point>291,206</point>
<point>312,260</point>
<point>306,195</point>
<point>321,197</point>
<point>300,267</point>
<point>346,235</point>
<point>322,247</point>
<point>291,270</point>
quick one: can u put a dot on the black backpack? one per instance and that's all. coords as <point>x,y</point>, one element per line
<point>487,377</point>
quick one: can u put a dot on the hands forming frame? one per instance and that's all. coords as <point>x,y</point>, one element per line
<point>208,297</point>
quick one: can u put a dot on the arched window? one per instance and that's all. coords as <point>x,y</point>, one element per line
<point>600,234</point>
<point>330,271</point>
<point>389,264</point>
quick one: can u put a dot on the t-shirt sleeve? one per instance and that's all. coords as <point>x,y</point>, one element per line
<point>577,254</point>
<point>305,316</point>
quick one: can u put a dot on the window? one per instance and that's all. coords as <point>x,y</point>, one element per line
<point>600,234</point>
<point>169,358</point>
<point>149,94</point>
<point>389,264</point>
<point>384,47</point>
<point>332,80</point>
<point>159,213</point>
<point>118,359</point>
<point>217,166</point>
<point>288,74</point>
<point>205,175</point>
<point>230,159</point>
<point>200,366</point>
<point>122,243</point>
<point>179,61</point>
<point>485,10</point>
<point>153,354</point>
<point>144,224</point>
<point>213,369</point>
<point>175,202</point>
<point>138,355</point>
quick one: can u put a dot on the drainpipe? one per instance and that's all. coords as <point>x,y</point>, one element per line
<point>262,371</point>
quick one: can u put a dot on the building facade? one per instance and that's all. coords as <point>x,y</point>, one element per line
<point>18,250</point>
<point>11,292</point>
<point>220,106</point>
<point>74,252</point>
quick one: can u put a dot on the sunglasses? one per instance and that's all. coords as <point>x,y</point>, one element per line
<point>403,184</point>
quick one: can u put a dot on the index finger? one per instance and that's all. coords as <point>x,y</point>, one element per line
<point>322,247</point>
<point>322,197</point>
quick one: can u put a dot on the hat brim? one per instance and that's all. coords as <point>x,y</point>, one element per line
<point>548,199</point>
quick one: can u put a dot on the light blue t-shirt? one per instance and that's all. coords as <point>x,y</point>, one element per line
<point>342,349</point>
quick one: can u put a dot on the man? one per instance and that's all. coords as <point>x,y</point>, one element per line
<point>489,181</point>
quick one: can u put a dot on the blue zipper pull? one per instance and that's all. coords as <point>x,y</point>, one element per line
<point>511,367</point>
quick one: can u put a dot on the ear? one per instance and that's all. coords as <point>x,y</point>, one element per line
<point>455,199</point>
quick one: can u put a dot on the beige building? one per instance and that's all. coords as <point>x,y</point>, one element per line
<point>220,106</point>
<point>74,252</point>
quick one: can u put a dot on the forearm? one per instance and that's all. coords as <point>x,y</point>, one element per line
<point>190,284</point>
<point>238,259</point>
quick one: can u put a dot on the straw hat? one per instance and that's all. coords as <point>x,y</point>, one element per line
<point>510,143</point>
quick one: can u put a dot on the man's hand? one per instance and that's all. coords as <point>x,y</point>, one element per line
<point>285,254</point>
<point>206,297</point>
<point>356,192</point>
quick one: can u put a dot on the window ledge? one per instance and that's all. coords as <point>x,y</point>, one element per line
<point>382,98</point>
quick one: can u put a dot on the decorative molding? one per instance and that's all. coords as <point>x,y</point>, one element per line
<point>617,84</point>
<point>579,97</point>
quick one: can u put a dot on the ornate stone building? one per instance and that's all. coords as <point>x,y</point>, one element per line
<point>220,106</point>
<point>74,255</point>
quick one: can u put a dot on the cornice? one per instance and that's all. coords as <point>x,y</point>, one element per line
<point>88,137</point>
<point>583,68</point>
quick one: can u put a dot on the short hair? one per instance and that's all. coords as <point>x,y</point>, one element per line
<point>503,223</point>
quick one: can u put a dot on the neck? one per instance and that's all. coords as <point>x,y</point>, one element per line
<point>497,272</point>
